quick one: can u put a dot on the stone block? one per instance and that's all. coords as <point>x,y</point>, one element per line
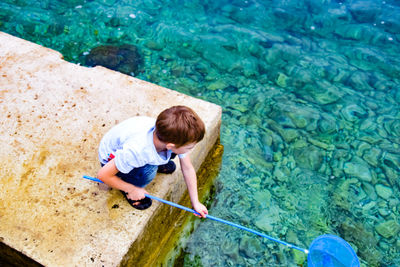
<point>53,115</point>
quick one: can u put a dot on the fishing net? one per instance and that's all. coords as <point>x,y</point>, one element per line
<point>331,251</point>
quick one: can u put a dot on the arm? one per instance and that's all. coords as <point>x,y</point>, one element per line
<point>189,174</point>
<point>108,175</point>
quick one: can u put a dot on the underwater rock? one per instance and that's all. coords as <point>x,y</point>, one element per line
<point>308,157</point>
<point>368,125</point>
<point>384,212</point>
<point>388,229</point>
<point>288,52</point>
<point>272,56</point>
<point>221,58</point>
<point>358,168</point>
<point>264,224</point>
<point>153,45</point>
<point>322,92</point>
<point>279,175</point>
<point>383,191</point>
<point>351,31</point>
<point>254,183</point>
<point>320,144</point>
<point>230,248</point>
<point>391,176</point>
<point>301,116</point>
<point>327,124</point>
<point>363,238</point>
<point>124,58</point>
<point>289,135</point>
<point>341,193</point>
<point>299,257</point>
<point>268,218</point>
<point>391,17</point>
<point>362,147</point>
<point>249,67</point>
<point>392,160</point>
<point>370,137</point>
<point>359,81</point>
<point>186,53</point>
<point>392,127</point>
<point>369,190</point>
<point>263,198</point>
<point>251,246</point>
<point>353,112</point>
<point>364,11</point>
<point>217,85</point>
<point>284,16</point>
<point>300,76</point>
<point>281,80</point>
<point>268,153</point>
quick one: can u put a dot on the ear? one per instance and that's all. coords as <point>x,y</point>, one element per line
<point>170,146</point>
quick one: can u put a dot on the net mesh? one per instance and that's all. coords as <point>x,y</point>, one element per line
<point>331,251</point>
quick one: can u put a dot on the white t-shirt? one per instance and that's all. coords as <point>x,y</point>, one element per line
<point>131,142</point>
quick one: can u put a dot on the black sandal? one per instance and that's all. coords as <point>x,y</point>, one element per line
<point>143,204</point>
<point>168,168</point>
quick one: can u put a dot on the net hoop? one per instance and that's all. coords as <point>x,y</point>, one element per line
<point>331,251</point>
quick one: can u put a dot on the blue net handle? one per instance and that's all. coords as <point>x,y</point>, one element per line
<point>324,251</point>
<point>214,219</point>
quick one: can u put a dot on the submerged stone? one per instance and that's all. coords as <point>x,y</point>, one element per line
<point>281,80</point>
<point>359,81</point>
<point>217,85</point>
<point>384,212</point>
<point>230,248</point>
<point>368,125</point>
<point>392,21</point>
<point>353,112</point>
<point>363,238</point>
<point>264,224</point>
<point>289,135</point>
<point>268,153</point>
<point>369,190</point>
<point>124,58</point>
<point>308,157</point>
<point>364,11</point>
<point>263,198</point>
<point>154,45</point>
<point>251,246</point>
<point>392,127</point>
<point>383,191</point>
<point>299,257</point>
<point>322,92</point>
<point>327,124</point>
<point>392,160</point>
<point>358,169</point>
<point>388,229</point>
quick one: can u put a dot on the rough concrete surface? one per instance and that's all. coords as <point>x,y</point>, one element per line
<point>53,115</point>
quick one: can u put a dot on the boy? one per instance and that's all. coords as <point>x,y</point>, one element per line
<point>133,151</point>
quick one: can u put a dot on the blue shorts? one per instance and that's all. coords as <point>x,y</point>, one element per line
<point>139,177</point>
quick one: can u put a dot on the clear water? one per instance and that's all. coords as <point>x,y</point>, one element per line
<point>310,91</point>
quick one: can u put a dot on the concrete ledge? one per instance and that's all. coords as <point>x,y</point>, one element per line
<point>53,115</point>
<point>159,239</point>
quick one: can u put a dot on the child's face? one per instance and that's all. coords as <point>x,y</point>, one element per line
<point>183,149</point>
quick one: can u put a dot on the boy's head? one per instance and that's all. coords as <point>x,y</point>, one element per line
<point>179,125</point>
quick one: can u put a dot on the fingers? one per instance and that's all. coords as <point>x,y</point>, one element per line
<point>137,194</point>
<point>201,213</point>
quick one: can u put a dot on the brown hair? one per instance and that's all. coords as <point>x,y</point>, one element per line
<point>179,125</point>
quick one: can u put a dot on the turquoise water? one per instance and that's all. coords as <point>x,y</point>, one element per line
<point>310,91</point>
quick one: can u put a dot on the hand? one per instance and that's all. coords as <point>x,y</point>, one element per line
<point>201,209</point>
<point>136,193</point>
